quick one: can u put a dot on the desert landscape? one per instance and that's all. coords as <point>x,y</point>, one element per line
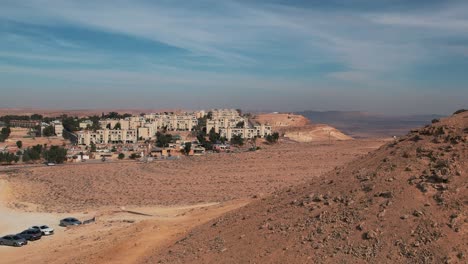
<point>170,197</point>
<point>233,132</point>
<point>403,203</point>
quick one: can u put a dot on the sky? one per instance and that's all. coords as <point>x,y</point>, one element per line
<point>383,56</point>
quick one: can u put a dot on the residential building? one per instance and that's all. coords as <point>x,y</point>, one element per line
<point>85,124</point>
<point>25,123</point>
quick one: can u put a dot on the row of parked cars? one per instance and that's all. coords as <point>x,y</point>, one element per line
<point>35,233</point>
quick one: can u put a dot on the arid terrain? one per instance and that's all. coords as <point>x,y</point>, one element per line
<point>142,208</point>
<point>300,129</point>
<point>21,134</point>
<point>403,203</point>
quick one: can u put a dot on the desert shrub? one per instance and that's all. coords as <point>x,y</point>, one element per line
<point>121,156</point>
<point>237,140</point>
<point>439,131</point>
<point>135,156</point>
<point>460,111</point>
<point>273,138</point>
<point>8,158</point>
<point>416,138</point>
<point>405,155</point>
<point>440,164</point>
<point>435,120</point>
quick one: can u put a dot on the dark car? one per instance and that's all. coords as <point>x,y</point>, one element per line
<point>70,221</point>
<point>31,234</point>
<point>13,240</point>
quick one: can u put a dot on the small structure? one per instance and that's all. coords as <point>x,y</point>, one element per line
<point>221,147</point>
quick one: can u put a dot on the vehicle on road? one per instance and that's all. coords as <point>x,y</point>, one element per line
<point>13,240</point>
<point>50,164</point>
<point>45,230</point>
<point>69,221</point>
<point>31,234</point>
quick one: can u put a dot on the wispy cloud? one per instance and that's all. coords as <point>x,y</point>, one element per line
<point>261,43</point>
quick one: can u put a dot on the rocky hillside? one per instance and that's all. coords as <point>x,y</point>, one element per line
<point>404,203</point>
<point>299,128</point>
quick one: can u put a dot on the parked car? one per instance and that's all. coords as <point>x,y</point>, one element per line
<point>45,230</point>
<point>50,164</point>
<point>13,240</point>
<point>31,234</point>
<point>70,221</point>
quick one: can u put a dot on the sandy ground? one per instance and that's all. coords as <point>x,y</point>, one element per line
<point>170,198</point>
<point>403,203</point>
<point>21,134</point>
<point>193,180</point>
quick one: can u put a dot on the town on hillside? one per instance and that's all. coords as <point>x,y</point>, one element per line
<point>114,136</point>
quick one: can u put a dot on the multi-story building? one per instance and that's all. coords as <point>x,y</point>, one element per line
<point>25,123</point>
<point>228,123</point>
<point>246,132</point>
<point>58,128</point>
<point>85,124</point>
<point>107,136</point>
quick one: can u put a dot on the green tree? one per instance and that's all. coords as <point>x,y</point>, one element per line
<point>273,138</point>
<point>19,144</point>
<point>213,136</point>
<point>55,154</point>
<point>118,126</point>
<point>48,131</point>
<point>135,156</point>
<point>8,158</point>
<point>70,123</point>
<point>237,140</point>
<point>163,140</point>
<point>240,124</point>
<point>93,147</point>
<point>4,133</point>
<point>121,156</point>
<point>187,147</point>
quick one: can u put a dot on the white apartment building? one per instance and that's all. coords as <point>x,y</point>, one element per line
<point>58,128</point>
<point>84,124</point>
<point>107,136</point>
<point>137,127</point>
<point>246,132</point>
<point>225,122</point>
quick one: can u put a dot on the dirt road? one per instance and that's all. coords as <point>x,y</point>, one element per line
<point>123,235</point>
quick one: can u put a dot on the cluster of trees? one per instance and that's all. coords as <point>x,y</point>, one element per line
<point>8,158</point>
<point>48,131</point>
<point>163,139</point>
<point>4,133</point>
<point>55,154</point>
<point>8,118</point>
<point>237,140</point>
<point>115,115</point>
<point>32,153</point>
<point>273,138</point>
<point>70,123</point>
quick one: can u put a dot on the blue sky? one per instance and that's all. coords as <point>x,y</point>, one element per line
<point>382,56</point>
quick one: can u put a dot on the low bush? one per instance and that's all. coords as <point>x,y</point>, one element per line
<point>460,111</point>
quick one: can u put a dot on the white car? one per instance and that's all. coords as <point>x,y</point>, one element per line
<point>46,231</point>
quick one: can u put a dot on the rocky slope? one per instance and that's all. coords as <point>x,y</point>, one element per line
<point>299,128</point>
<point>404,203</point>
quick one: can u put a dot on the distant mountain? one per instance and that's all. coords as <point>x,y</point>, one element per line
<point>365,125</point>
